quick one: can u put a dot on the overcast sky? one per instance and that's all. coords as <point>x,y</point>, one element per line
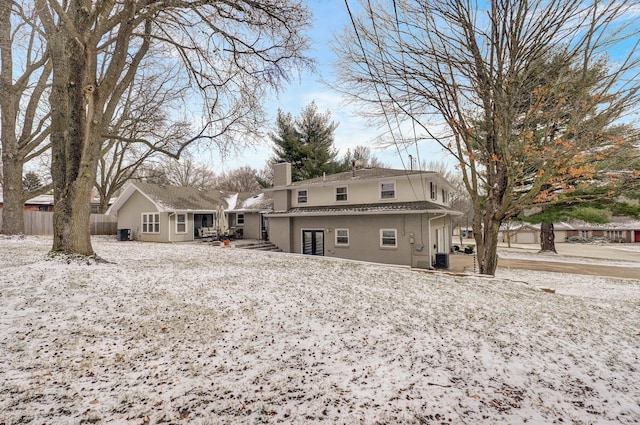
<point>330,16</point>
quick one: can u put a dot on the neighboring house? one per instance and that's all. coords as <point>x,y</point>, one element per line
<point>45,203</point>
<point>619,229</point>
<point>463,232</point>
<point>515,232</point>
<point>372,214</point>
<point>176,214</point>
<point>38,203</point>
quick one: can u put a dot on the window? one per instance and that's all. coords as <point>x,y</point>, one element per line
<point>388,238</point>
<point>444,196</point>
<point>614,235</point>
<point>181,223</point>
<point>341,193</point>
<point>150,223</point>
<point>434,190</point>
<point>387,190</point>
<point>240,219</point>
<point>342,237</point>
<point>302,196</point>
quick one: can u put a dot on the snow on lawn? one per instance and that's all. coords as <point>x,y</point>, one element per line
<point>192,333</point>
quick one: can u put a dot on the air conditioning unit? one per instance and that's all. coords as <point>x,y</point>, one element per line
<point>442,260</point>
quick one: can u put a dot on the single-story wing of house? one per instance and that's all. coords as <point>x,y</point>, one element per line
<point>160,213</point>
<point>247,214</point>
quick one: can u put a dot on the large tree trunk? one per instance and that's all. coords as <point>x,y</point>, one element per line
<point>547,238</point>
<point>12,165</point>
<point>13,196</point>
<point>488,257</point>
<point>486,237</point>
<point>72,155</point>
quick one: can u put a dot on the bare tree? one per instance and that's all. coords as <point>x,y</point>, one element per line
<point>231,52</point>
<point>141,115</point>
<point>183,172</point>
<point>24,80</point>
<point>186,172</point>
<point>243,179</point>
<point>362,157</point>
<point>498,85</point>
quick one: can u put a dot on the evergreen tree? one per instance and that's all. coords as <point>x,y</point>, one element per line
<point>31,182</point>
<point>306,143</point>
<point>592,184</point>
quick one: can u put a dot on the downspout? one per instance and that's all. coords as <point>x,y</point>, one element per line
<point>169,224</point>
<point>429,233</point>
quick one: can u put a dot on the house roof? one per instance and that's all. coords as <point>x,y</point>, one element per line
<point>615,223</point>
<point>41,200</point>
<point>171,198</point>
<point>245,202</point>
<point>180,198</point>
<point>519,226</point>
<point>367,174</point>
<point>37,200</point>
<point>421,207</point>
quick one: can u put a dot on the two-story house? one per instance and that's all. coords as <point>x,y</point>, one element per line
<point>371,214</point>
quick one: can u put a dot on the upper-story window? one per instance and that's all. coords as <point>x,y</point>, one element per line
<point>240,219</point>
<point>181,223</point>
<point>444,196</point>
<point>387,190</point>
<point>341,193</point>
<point>302,196</point>
<point>434,190</point>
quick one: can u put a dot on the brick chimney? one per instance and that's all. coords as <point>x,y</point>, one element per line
<point>281,179</point>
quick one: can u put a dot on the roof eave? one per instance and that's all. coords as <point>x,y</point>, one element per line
<point>354,213</point>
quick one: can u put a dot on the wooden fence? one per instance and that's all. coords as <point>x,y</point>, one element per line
<point>41,223</point>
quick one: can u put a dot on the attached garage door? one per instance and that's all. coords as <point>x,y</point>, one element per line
<point>526,237</point>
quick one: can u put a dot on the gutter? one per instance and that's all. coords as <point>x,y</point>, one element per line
<point>343,213</point>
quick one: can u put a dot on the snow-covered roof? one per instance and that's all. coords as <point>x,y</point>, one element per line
<point>616,223</point>
<point>172,198</point>
<point>254,202</point>
<point>518,226</point>
<point>179,198</point>
<point>368,174</point>
<point>36,200</point>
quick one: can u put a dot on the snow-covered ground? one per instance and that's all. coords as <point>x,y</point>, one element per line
<point>198,334</point>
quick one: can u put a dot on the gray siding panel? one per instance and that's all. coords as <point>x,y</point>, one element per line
<point>364,236</point>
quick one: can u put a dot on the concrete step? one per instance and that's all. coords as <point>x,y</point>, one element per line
<point>260,246</point>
